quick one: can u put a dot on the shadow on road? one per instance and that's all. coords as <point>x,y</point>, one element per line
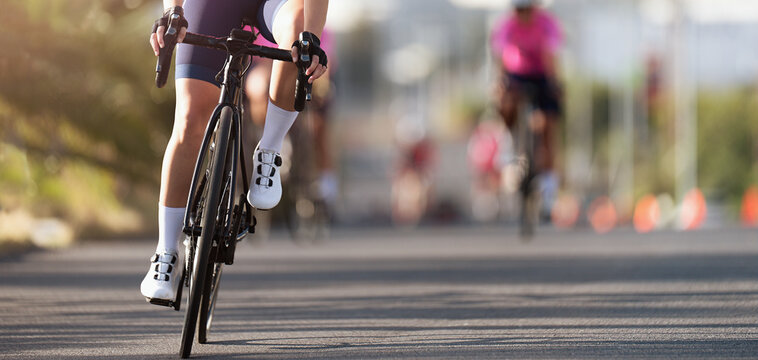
<point>496,306</point>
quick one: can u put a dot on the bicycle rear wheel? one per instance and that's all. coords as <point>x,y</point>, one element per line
<point>529,141</point>
<point>529,208</point>
<point>216,170</point>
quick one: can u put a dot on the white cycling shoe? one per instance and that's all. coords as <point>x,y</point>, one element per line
<point>162,280</point>
<point>266,189</point>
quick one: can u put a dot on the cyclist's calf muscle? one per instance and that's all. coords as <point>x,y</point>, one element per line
<point>287,27</point>
<point>196,100</point>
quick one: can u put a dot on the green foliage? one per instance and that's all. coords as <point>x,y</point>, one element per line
<point>728,143</point>
<point>79,113</point>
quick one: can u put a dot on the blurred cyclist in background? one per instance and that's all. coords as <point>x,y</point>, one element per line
<point>525,44</point>
<point>487,151</point>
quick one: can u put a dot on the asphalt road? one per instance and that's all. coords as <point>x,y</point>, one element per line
<point>473,293</point>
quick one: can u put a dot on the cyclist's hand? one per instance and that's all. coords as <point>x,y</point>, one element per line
<point>157,40</point>
<point>319,60</point>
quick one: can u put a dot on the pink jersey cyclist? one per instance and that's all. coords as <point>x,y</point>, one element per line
<point>525,44</point>
<point>524,47</point>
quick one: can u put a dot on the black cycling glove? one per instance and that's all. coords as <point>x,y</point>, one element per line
<point>169,17</point>
<point>314,48</point>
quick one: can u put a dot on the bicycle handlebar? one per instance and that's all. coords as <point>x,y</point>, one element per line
<point>227,44</point>
<point>222,43</point>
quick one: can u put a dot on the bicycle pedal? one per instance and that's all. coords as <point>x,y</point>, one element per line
<point>160,302</point>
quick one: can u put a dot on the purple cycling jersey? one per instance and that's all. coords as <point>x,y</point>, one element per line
<point>218,18</point>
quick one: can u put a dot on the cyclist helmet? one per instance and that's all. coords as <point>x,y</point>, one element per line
<point>521,4</point>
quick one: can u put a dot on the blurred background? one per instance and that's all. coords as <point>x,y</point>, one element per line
<point>660,128</point>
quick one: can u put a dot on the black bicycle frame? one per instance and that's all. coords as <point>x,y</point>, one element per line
<point>231,92</point>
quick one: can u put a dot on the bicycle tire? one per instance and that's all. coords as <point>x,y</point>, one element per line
<point>208,223</point>
<point>212,279</point>
<point>529,199</point>
<point>303,217</point>
<point>529,205</point>
<point>210,294</point>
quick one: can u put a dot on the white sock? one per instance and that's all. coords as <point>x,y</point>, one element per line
<point>278,123</point>
<point>328,186</point>
<point>170,224</point>
<point>549,187</point>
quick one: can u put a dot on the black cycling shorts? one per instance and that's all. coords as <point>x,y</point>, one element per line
<point>218,18</point>
<point>541,92</point>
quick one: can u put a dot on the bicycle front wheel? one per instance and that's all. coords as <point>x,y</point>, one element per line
<point>210,294</point>
<point>216,170</point>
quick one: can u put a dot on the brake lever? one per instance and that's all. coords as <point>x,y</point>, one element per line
<point>171,31</point>
<point>302,87</point>
<point>167,52</point>
<point>305,58</point>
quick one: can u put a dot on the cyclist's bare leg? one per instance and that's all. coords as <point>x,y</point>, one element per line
<point>548,142</point>
<point>266,189</point>
<point>257,89</point>
<point>508,107</point>
<point>549,183</point>
<point>320,140</point>
<point>287,27</point>
<point>328,183</point>
<point>195,101</point>
<point>538,126</point>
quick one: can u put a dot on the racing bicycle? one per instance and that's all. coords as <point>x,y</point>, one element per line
<point>527,143</point>
<point>218,214</point>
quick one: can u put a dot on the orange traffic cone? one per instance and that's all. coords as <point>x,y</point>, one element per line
<point>693,210</point>
<point>647,214</point>
<point>565,212</point>
<point>750,207</point>
<point>602,215</point>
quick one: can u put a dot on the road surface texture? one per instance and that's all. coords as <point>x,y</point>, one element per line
<point>437,293</point>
